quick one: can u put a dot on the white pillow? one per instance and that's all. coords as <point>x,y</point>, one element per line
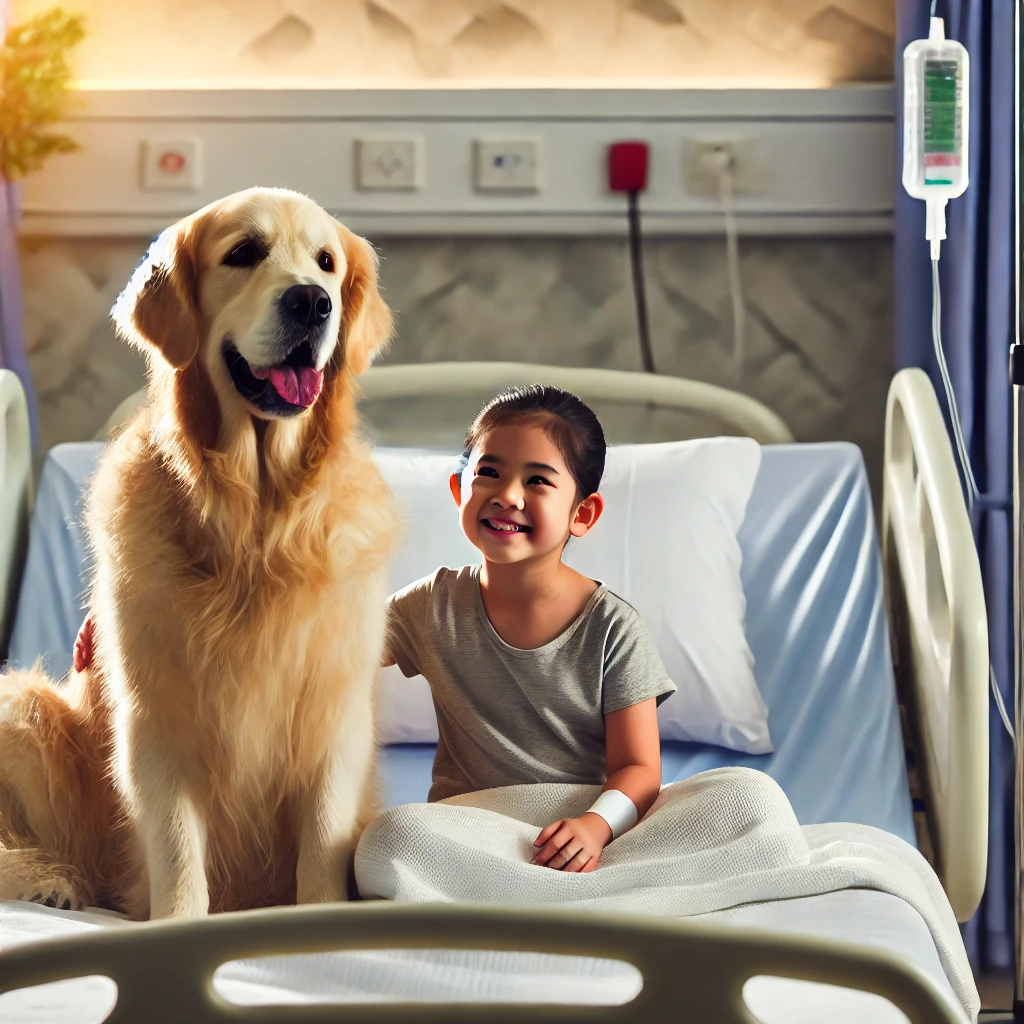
<point>667,543</point>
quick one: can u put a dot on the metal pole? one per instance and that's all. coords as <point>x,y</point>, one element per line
<point>1018,391</point>
<point>1017,386</point>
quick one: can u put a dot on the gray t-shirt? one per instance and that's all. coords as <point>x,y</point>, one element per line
<point>506,715</point>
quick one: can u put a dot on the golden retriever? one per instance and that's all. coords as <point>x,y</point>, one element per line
<point>218,754</point>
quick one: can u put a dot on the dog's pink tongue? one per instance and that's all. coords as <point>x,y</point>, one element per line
<point>298,385</point>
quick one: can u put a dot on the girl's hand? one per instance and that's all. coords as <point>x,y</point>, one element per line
<point>83,646</point>
<point>573,844</point>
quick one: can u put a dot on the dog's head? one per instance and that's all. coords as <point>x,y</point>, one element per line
<point>264,293</point>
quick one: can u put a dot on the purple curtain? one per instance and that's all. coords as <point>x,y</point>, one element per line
<point>12,338</point>
<point>976,270</point>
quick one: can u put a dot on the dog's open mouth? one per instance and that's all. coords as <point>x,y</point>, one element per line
<point>285,389</point>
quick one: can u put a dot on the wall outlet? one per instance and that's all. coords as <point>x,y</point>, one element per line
<point>172,163</point>
<point>700,179</point>
<point>393,164</point>
<point>508,165</point>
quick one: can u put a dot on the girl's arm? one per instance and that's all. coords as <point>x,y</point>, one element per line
<point>633,753</point>
<point>633,756</point>
<point>406,613</point>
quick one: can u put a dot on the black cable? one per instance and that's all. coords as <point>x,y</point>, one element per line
<point>636,261</point>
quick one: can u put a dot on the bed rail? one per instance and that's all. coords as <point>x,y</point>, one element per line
<point>15,496</point>
<point>164,970</point>
<point>738,412</point>
<point>939,631</point>
<point>733,409</point>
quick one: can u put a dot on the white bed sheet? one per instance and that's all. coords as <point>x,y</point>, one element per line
<point>873,919</point>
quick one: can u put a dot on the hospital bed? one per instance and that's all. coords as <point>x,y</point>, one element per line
<point>835,680</point>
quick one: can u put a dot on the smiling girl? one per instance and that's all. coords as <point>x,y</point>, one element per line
<point>538,674</point>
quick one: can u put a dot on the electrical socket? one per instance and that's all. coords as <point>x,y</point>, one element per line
<point>698,168</point>
<point>390,164</point>
<point>172,163</point>
<point>508,165</point>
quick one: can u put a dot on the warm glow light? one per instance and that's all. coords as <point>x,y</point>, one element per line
<point>510,45</point>
<point>384,84</point>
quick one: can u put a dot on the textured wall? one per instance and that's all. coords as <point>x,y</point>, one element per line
<point>819,323</point>
<point>820,331</point>
<point>718,42</point>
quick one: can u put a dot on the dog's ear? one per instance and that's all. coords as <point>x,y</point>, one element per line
<point>157,309</point>
<point>366,321</point>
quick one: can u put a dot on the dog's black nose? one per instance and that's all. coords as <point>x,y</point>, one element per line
<point>308,304</point>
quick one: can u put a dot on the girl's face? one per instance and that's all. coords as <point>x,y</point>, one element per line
<point>517,498</point>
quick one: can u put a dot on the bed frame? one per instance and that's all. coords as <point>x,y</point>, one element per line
<point>15,497</point>
<point>939,632</point>
<point>698,967</point>
<point>940,650</point>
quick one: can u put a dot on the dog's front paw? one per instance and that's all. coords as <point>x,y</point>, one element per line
<point>333,894</point>
<point>180,905</point>
<point>322,890</point>
<point>321,877</point>
<point>57,893</point>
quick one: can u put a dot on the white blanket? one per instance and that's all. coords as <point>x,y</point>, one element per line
<point>721,839</point>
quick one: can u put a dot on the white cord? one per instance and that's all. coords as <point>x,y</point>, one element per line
<point>719,162</point>
<point>732,259</point>
<point>947,384</point>
<point>935,232</point>
<point>1000,706</point>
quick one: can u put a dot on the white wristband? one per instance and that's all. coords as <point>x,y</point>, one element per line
<point>617,809</point>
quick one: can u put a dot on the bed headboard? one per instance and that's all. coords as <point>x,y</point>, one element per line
<point>15,496</point>
<point>736,412</point>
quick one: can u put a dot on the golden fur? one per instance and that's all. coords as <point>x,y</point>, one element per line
<point>218,754</point>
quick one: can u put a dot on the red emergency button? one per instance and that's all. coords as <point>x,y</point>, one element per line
<point>171,162</point>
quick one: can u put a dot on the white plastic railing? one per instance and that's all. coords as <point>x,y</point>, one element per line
<point>446,380</point>
<point>15,495</point>
<point>940,631</point>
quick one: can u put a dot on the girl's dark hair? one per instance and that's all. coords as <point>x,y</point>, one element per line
<point>569,422</point>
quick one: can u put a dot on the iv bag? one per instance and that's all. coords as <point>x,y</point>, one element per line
<point>936,98</point>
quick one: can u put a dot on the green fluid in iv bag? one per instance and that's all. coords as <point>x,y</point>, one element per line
<point>941,120</point>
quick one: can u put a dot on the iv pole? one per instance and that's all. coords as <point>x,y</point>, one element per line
<point>1017,387</point>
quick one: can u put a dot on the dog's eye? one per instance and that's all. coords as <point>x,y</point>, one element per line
<point>325,261</point>
<point>244,255</point>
